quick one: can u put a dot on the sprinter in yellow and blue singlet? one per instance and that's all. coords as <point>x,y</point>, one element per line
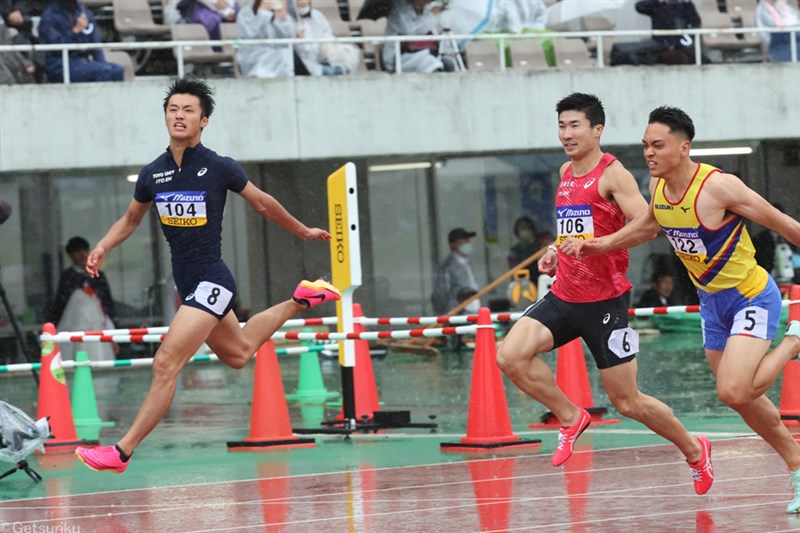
<point>737,296</point>
<point>702,211</point>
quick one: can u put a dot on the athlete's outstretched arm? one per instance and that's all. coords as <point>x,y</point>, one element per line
<point>642,228</point>
<point>116,234</point>
<point>730,193</point>
<point>271,209</point>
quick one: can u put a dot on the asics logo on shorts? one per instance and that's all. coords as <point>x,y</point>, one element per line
<point>190,297</point>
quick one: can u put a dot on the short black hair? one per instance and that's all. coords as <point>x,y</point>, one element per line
<point>676,119</point>
<point>195,87</point>
<point>589,104</point>
<point>521,221</point>
<point>75,244</point>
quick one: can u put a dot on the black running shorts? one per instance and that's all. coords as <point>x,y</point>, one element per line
<point>603,325</point>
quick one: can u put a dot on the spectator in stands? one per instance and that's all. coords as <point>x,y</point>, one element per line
<point>672,15</point>
<point>326,59</point>
<point>455,280</point>
<point>516,16</point>
<point>68,22</point>
<point>660,292</point>
<point>413,17</point>
<point>209,13</point>
<point>777,14</point>
<point>265,19</point>
<point>14,67</point>
<point>16,15</point>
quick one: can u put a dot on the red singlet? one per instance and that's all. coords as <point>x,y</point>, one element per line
<point>582,213</point>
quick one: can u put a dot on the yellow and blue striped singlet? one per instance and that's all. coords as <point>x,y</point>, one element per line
<point>717,259</point>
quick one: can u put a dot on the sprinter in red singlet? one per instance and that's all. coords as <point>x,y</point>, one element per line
<point>589,298</point>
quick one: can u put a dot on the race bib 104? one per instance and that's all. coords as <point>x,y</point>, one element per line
<point>687,244</point>
<point>574,221</point>
<point>182,208</point>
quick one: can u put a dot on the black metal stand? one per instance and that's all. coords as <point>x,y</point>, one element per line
<point>17,332</point>
<point>380,420</point>
<point>25,467</point>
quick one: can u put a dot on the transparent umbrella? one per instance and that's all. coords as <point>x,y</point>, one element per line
<point>569,12</point>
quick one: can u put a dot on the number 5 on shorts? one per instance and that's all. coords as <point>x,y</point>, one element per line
<point>751,321</point>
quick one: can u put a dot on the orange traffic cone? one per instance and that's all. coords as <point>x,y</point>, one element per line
<point>488,421</point>
<point>366,391</point>
<point>493,483</point>
<point>54,401</point>
<point>270,425</point>
<point>790,392</point>
<point>573,380</point>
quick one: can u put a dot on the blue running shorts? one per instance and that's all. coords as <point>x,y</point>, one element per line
<point>727,313</point>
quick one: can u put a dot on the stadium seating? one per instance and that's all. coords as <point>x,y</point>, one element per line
<point>571,54</point>
<point>527,55</point>
<point>482,55</point>
<point>134,17</point>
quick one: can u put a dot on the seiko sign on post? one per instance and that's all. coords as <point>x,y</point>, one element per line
<point>345,268</point>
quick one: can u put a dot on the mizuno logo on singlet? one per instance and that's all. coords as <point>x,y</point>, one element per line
<point>574,212</point>
<point>180,197</point>
<point>686,209</point>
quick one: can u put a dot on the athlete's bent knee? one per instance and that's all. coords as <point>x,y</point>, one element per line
<point>165,367</point>
<point>733,398</point>
<point>627,406</point>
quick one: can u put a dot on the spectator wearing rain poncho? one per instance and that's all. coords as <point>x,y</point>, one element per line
<point>413,17</point>
<point>517,16</point>
<point>265,19</point>
<point>328,59</point>
<point>777,14</point>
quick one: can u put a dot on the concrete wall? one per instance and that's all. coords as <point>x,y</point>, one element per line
<point>119,125</point>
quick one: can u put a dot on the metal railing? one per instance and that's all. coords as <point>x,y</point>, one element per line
<point>397,42</point>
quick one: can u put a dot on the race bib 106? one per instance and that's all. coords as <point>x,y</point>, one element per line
<point>687,244</point>
<point>182,208</point>
<point>574,221</point>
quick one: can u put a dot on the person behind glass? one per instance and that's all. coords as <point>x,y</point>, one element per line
<point>455,279</point>
<point>672,15</point>
<point>82,302</point>
<point>68,22</point>
<point>660,292</point>
<point>413,17</point>
<point>265,19</point>
<point>321,59</point>
<point>778,14</point>
<point>529,242</point>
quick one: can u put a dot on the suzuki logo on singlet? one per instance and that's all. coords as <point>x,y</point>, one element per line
<point>202,171</point>
<point>588,183</point>
<point>662,207</point>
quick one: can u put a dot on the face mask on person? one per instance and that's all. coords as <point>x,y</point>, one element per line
<point>526,235</point>
<point>465,249</point>
<point>303,11</point>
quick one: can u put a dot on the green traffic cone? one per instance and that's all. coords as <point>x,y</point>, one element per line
<point>84,405</point>
<point>310,386</point>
